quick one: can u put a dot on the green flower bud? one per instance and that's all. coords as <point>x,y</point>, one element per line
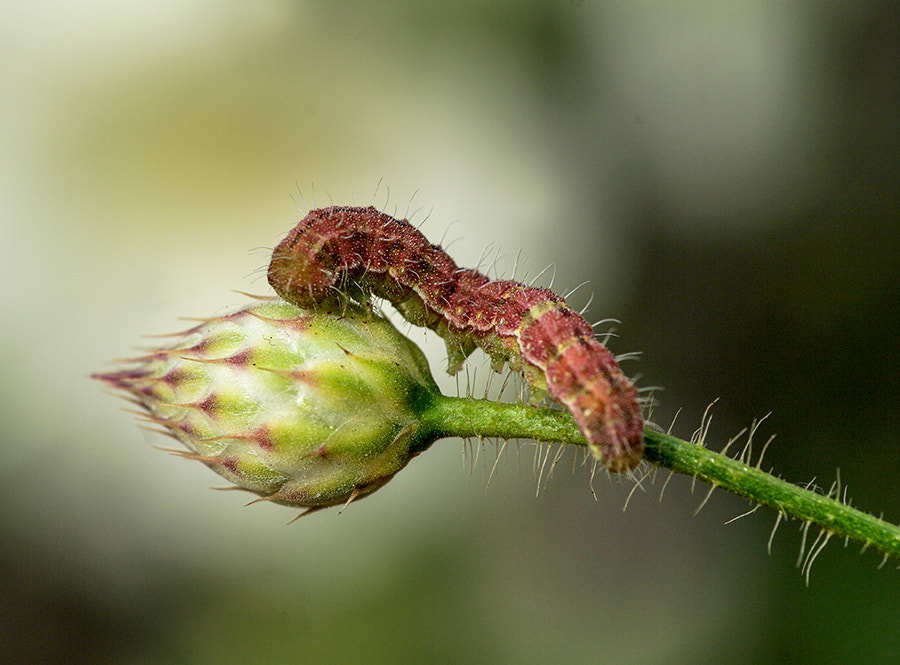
<point>303,408</point>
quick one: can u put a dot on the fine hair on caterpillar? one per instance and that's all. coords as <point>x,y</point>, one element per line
<point>342,252</point>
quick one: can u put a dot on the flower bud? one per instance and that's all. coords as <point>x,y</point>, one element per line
<point>308,409</point>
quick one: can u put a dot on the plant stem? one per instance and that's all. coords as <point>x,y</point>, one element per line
<point>466,417</point>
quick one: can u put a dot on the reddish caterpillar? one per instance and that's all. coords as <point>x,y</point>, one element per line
<point>340,252</point>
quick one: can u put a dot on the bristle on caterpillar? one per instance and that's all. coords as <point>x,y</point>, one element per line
<point>340,252</point>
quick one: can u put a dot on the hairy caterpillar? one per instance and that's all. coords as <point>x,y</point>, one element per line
<point>337,252</point>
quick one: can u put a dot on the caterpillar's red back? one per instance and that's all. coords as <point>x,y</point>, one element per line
<point>340,252</point>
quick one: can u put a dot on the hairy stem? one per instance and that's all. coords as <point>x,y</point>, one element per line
<point>465,417</point>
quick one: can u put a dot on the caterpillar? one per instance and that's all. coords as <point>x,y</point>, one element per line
<point>338,252</point>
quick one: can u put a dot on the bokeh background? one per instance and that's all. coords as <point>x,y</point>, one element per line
<point>725,175</point>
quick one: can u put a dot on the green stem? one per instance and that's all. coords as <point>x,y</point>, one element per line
<point>465,417</point>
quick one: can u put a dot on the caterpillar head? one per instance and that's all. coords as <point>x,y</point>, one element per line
<point>299,272</point>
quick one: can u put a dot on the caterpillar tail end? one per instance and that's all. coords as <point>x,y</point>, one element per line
<point>619,451</point>
<point>622,463</point>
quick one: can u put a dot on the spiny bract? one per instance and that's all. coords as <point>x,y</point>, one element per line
<point>303,408</point>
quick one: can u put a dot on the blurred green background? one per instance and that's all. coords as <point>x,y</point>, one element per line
<point>724,174</point>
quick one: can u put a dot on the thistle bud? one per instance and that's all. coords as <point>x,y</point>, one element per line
<point>308,409</point>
